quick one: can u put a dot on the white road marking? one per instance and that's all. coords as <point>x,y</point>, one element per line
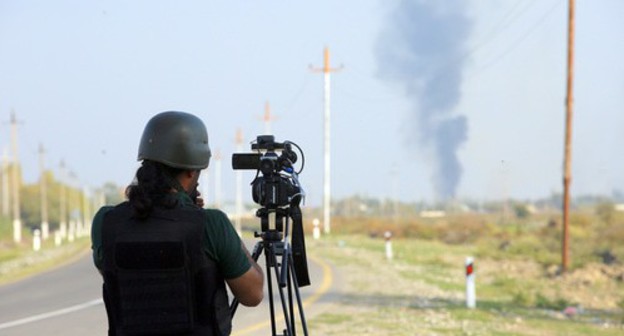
<point>54,313</point>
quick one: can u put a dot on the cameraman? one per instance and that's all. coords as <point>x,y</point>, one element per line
<point>164,259</point>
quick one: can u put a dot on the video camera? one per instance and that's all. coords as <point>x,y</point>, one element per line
<point>279,193</point>
<point>279,185</point>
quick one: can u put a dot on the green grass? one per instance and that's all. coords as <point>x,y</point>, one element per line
<point>333,318</point>
<point>30,262</point>
<point>9,254</point>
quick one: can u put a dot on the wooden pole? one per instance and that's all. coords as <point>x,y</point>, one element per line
<point>567,175</point>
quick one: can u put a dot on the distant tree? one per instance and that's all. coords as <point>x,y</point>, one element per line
<point>30,205</point>
<point>30,201</point>
<point>521,210</point>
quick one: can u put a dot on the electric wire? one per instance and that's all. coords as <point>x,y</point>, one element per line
<point>508,18</point>
<point>519,40</point>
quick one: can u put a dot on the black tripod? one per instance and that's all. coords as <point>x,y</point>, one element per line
<point>287,261</point>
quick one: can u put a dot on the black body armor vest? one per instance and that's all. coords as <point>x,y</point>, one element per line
<point>157,278</point>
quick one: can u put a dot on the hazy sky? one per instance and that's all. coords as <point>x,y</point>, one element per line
<point>83,78</point>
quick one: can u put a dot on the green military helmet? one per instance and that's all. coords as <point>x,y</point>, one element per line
<point>176,139</point>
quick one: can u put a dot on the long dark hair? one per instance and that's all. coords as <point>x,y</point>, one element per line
<point>152,188</point>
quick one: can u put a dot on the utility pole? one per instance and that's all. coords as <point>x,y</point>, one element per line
<point>87,214</point>
<point>267,118</point>
<point>45,230</point>
<point>567,174</point>
<point>73,206</point>
<point>6,200</point>
<point>326,70</point>
<point>62,202</point>
<point>17,221</point>
<point>239,185</point>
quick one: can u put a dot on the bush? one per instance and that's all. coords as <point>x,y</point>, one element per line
<point>556,304</point>
<point>522,211</point>
<point>521,299</point>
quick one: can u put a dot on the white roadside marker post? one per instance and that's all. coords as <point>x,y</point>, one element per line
<point>471,296</point>
<point>388,235</point>
<point>71,234</point>
<point>316,232</point>
<point>36,240</point>
<point>58,238</point>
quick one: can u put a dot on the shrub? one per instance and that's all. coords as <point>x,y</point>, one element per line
<point>520,298</point>
<point>557,304</point>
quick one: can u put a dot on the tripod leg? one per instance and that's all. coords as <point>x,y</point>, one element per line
<point>290,301</point>
<point>289,326</point>
<point>270,262</point>
<point>293,276</point>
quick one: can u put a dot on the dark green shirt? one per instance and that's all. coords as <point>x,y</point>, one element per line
<point>222,243</point>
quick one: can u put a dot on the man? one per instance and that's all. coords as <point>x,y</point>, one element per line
<point>164,260</point>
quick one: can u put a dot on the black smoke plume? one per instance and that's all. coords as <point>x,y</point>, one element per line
<point>422,47</point>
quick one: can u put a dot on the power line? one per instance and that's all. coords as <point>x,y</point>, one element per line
<point>298,93</point>
<point>518,41</point>
<point>498,28</point>
<point>510,17</point>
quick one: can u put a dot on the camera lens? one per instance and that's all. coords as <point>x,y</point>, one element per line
<point>268,163</point>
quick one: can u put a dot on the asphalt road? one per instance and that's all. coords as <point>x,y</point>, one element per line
<point>67,301</point>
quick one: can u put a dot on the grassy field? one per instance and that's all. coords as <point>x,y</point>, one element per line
<point>421,292</point>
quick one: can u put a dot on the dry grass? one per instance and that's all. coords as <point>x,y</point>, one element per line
<point>421,292</point>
